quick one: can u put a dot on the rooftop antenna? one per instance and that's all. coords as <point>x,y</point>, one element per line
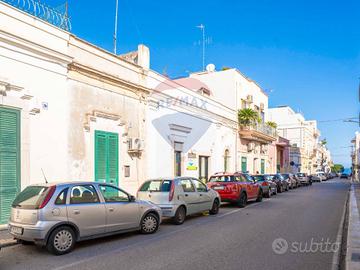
<point>116,20</point>
<point>202,28</point>
<point>46,181</point>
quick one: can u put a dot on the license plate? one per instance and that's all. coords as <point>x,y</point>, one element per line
<point>219,188</point>
<point>16,230</point>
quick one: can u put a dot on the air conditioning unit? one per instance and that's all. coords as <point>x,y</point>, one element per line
<point>135,145</point>
<point>250,147</point>
<point>249,99</point>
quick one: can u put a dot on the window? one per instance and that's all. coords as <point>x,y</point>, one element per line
<point>226,160</point>
<point>127,171</point>
<point>200,187</point>
<point>31,197</point>
<point>156,186</point>
<point>187,186</point>
<point>243,104</point>
<point>113,194</point>
<point>177,163</point>
<point>83,194</point>
<point>223,178</point>
<point>244,164</point>
<point>203,168</point>
<point>61,198</point>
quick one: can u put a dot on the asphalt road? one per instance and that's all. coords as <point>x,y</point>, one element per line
<point>234,239</point>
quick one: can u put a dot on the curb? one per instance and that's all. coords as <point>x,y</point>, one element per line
<point>341,238</point>
<point>9,243</point>
<point>352,257</point>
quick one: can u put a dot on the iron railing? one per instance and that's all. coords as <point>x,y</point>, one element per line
<point>263,128</point>
<point>44,12</point>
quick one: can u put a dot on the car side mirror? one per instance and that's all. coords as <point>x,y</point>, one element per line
<point>132,198</point>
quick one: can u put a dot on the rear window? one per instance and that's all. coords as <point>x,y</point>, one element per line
<point>156,186</point>
<point>31,197</point>
<point>300,174</point>
<point>222,178</point>
<point>259,177</point>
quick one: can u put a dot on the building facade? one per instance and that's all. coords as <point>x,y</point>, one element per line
<point>303,136</point>
<point>355,157</point>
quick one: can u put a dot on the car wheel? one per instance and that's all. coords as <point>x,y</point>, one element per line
<point>180,215</point>
<point>242,200</point>
<point>215,207</point>
<point>61,240</point>
<point>268,194</point>
<point>260,196</point>
<point>149,224</point>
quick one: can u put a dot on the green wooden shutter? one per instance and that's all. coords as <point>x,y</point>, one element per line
<point>106,157</point>
<point>113,159</point>
<point>244,164</point>
<point>9,160</point>
<point>262,166</point>
<point>100,156</point>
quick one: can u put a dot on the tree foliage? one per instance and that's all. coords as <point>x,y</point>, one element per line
<point>337,168</point>
<point>248,117</point>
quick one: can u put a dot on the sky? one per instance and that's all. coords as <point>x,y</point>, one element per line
<point>303,53</point>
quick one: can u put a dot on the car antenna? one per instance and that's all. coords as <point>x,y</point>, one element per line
<point>46,181</point>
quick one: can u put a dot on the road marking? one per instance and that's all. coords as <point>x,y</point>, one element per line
<point>72,265</point>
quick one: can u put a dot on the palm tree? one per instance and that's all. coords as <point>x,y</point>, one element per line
<point>248,117</point>
<point>271,124</point>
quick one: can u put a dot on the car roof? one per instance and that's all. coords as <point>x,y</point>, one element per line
<point>66,182</point>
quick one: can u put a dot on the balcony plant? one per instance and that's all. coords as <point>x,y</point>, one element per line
<point>248,117</point>
<point>271,124</point>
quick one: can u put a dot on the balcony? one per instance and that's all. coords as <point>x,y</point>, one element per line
<point>259,132</point>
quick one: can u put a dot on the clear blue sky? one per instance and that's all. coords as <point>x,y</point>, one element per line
<point>305,53</point>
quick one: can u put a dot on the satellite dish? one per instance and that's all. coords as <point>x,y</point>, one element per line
<point>210,68</point>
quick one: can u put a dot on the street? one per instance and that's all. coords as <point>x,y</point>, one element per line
<point>237,238</point>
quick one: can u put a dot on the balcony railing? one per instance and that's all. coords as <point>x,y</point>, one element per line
<point>55,16</point>
<point>263,128</point>
<point>258,131</point>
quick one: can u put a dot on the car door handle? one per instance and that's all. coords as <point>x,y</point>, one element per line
<point>186,195</point>
<point>200,195</point>
<point>76,212</point>
<point>111,209</point>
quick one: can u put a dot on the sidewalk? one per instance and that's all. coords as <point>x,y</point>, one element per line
<point>353,235</point>
<point>6,239</point>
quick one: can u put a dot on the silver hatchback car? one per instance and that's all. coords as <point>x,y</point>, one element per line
<point>58,215</point>
<point>180,196</point>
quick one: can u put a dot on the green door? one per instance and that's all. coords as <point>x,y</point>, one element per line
<point>106,157</point>
<point>263,166</point>
<point>9,160</point>
<point>244,164</point>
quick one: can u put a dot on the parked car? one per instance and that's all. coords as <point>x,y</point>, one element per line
<point>237,188</point>
<point>344,175</point>
<point>304,179</point>
<point>180,197</point>
<point>315,178</point>
<point>297,180</point>
<point>59,215</point>
<point>268,186</point>
<point>290,180</point>
<point>280,182</point>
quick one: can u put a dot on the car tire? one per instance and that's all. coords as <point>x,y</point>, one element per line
<point>61,240</point>
<point>268,194</point>
<point>180,215</point>
<point>149,224</point>
<point>242,200</point>
<point>215,207</point>
<point>260,196</point>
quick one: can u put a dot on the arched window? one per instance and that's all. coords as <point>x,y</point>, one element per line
<point>226,160</point>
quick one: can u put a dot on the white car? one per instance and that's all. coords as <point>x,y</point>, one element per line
<point>180,196</point>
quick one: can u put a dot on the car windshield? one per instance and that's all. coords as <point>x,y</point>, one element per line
<point>31,197</point>
<point>260,177</point>
<point>222,178</point>
<point>249,177</point>
<point>285,176</point>
<point>300,174</point>
<point>156,186</point>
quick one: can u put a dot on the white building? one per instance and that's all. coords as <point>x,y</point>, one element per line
<point>303,135</point>
<point>67,108</point>
<point>235,91</point>
<point>355,157</point>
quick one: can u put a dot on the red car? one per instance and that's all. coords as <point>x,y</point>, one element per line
<point>236,188</point>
